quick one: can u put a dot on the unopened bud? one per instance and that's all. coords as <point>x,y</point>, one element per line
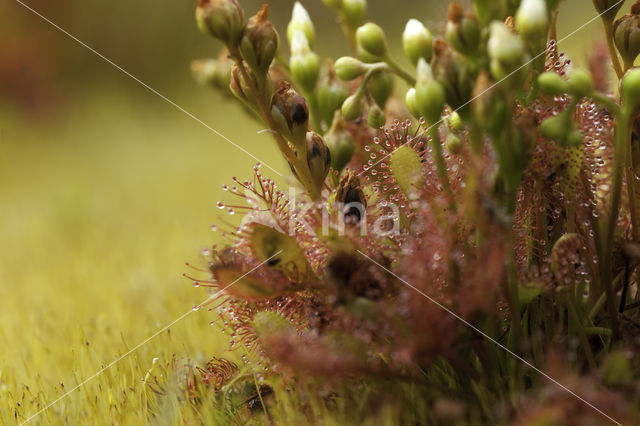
<point>376,117</point>
<point>304,64</point>
<point>333,4</point>
<point>552,84</point>
<point>291,114</point>
<point>212,72</point>
<point>626,31</point>
<point>330,94</point>
<point>340,144</point>
<point>417,41</point>
<point>410,101</point>
<point>455,120</point>
<point>365,56</point>
<point>490,10</point>
<point>354,12</point>
<point>348,68</point>
<point>560,128</point>
<point>608,8</point>
<point>300,20</point>
<point>430,95</point>
<point>259,42</point>
<point>318,158</point>
<point>463,31</point>
<point>222,19</point>
<point>631,87</point>
<point>372,39</point>
<point>505,49</point>
<point>532,20</point>
<point>352,107</point>
<point>580,83</point>
<point>453,144</point>
<point>380,86</point>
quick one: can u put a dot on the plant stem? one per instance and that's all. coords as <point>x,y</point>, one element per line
<point>436,146</point>
<point>400,72</point>
<point>608,30</point>
<point>631,189</point>
<point>580,329</point>
<point>299,164</point>
<point>622,126</point>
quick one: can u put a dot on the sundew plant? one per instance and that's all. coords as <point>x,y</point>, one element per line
<point>458,240</point>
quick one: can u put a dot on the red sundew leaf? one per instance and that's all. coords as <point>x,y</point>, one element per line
<point>252,286</point>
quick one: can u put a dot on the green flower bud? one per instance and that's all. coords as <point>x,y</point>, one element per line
<point>505,49</point>
<point>212,72</point>
<point>631,87</point>
<point>532,20</point>
<point>453,144</point>
<point>330,94</point>
<point>352,107</point>
<point>574,138</point>
<point>463,31</point>
<point>552,84</point>
<point>259,42</point>
<point>561,129</point>
<point>608,8</point>
<point>354,12</point>
<point>410,100</point>
<point>555,128</point>
<point>430,95</point>
<point>304,64</point>
<point>417,41</point>
<point>300,20</point>
<point>376,117</point>
<point>455,121</point>
<point>380,86</point>
<point>340,144</point>
<point>372,39</point>
<point>333,4</point>
<point>580,83</point>
<point>348,68</point>
<point>318,158</point>
<point>626,34</point>
<point>490,10</point>
<point>222,19</point>
<point>365,56</point>
<point>291,114</point>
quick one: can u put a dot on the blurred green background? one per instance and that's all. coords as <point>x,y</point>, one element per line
<point>106,189</point>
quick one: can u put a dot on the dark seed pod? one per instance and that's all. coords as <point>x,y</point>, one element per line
<point>350,196</point>
<point>318,158</point>
<point>290,112</point>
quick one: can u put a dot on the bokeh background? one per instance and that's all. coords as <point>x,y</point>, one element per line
<point>106,190</point>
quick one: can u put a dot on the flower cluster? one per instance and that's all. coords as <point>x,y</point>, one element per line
<point>483,221</point>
